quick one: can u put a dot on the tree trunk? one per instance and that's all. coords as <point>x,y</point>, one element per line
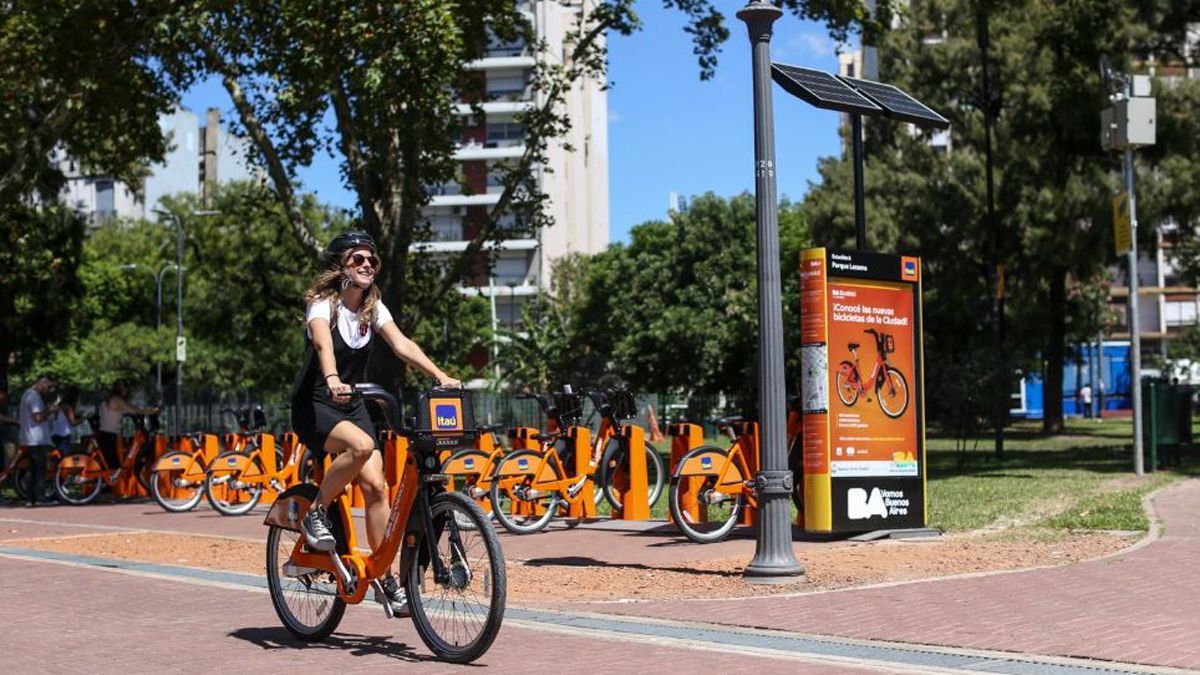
<point>1052,422</point>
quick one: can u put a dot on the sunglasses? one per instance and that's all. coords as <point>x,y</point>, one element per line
<point>357,260</point>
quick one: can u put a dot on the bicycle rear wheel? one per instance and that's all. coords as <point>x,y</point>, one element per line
<point>225,486</point>
<point>714,513</point>
<point>465,469</point>
<point>614,469</point>
<point>170,488</point>
<point>307,602</point>
<point>458,617</point>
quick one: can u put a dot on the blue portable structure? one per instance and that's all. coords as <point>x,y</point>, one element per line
<point>1112,385</point>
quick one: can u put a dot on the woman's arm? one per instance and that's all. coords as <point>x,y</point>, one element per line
<point>408,350</point>
<point>322,340</point>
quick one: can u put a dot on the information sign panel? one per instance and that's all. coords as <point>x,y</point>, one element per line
<point>1122,231</point>
<point>863,409</point>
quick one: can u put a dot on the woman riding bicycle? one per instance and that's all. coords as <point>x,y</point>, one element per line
<point>323,414</point>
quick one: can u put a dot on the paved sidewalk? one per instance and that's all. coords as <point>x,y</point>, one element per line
<point>1141,607</point>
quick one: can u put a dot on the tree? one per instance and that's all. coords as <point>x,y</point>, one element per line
<point>675,309</point>
<point>79,77</point>
<point>379,83</point>
<point>1053,180</point>
<point>40,253</point>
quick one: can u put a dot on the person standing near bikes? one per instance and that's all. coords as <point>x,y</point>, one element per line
<point>342,315</point>
<point>112,410</point>
<point>65,420</point>
<point>35,418</point>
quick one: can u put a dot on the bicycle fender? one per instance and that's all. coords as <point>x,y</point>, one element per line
<point>290,506</point>
<point>846,368</point>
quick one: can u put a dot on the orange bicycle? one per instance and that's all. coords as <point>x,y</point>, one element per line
<point>711,485</point>
<point>80,476</point>
<point>454,578</point>
<point>236,479</point>
<point>470,470</point>
<point>20,472</point>
<point>531,486</point>
<point>178,483</point>
<point>890,385</point>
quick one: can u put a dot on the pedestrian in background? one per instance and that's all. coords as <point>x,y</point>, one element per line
<point>112,410</point>
<point>1085,399</point>
<point>35,418</point>
<point>8,427</point>
<point>65,420</point>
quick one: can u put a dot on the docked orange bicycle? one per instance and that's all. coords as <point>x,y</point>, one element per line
<point>712,486</point>
<point>178,482</point>
<point>454,578</point>
<point>20,472</point>
<point>235,481</point>
<point>81,475</point>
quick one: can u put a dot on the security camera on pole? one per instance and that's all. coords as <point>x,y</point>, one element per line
<point>1127,124</point>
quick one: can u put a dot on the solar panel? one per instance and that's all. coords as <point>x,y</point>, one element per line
<point>897,104</point>
<point>821,90</point>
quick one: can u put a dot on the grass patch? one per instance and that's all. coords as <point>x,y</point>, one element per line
<point>1081,479</point>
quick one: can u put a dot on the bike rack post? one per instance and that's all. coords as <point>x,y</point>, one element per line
<point>750,450</point>
<point>127,485</point>
<point>162,444</point>
<point>686,437</point>
<point>580,439</point>
<point>266,443</point>
<point>522,438</point>
<point>635,495</point>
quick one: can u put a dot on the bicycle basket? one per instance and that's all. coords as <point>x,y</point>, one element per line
<point>622,404</point>
<point>569,407</point>
<point>889,344</point>
<point>445,417</point>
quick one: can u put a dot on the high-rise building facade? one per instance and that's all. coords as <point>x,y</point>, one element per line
<point>575,181</point>
<point>199,158</point>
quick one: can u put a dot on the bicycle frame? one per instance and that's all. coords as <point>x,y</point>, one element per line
<point>92,464</point>
<point>878,372</point>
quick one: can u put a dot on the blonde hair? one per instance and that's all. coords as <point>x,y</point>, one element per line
<point>327,287</point>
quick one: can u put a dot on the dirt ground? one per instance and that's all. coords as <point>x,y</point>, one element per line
<point>840,565</point>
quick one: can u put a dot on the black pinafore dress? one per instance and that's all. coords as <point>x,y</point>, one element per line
<point>314,412</point>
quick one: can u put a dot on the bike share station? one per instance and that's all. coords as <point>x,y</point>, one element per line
<point>861,348</point>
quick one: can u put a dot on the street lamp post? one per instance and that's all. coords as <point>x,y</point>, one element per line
<point>774,561</point>
<point>158,299</point>
<point>180,343</point>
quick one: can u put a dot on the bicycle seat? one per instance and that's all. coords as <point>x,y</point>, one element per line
<point>853,345</point>
<point>549,437</point>
<point>727,421</point>
<point>490,428</point>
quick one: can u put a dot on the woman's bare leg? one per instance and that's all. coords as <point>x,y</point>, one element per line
<point>353,448</point>
<point>375,497</point>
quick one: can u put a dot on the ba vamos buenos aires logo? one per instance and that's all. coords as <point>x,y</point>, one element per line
<point>445,416</point>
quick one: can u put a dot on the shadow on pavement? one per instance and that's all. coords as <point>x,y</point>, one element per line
<point>277,637</point>
<point>582,561</point>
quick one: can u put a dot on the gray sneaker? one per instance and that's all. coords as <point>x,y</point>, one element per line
<point>316,529</point>
<point>393,595</point>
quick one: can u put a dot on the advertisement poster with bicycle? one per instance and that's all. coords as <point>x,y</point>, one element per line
<point>863,437</point>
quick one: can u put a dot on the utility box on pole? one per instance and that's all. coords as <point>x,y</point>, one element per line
<point>1129,123</point>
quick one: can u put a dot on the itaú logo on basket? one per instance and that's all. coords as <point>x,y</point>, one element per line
<point>446,416</point>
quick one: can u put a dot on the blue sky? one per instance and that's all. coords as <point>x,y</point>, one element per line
<point>668,131</point>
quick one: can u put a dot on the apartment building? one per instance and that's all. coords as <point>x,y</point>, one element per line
<point>575,181</point>
<point>200,157</point>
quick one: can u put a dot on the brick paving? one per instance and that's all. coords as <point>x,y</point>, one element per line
<point>67,618</point>
<point>1142,606</point>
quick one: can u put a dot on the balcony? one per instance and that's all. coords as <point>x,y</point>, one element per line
<point>458,199</point>
<point>498,59</point>
<point>460,246</point>
<point>495,107</point>
<point>489,151</point>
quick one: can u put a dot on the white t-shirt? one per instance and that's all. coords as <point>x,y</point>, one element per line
<point>62,425</point>
<point>33,433</point>
<point>347,321</point>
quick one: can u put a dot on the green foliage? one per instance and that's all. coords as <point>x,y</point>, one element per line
<point>1053,181</point>
<point>79,76</point>
<point>242,298</point>
<point>40,252</point>
<point>675,309</point>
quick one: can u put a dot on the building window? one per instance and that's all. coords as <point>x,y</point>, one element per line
<point>507,85</point>
<point>501,48</point>
<point>105,203</point>
<point>1179,313</point>
<point>504,131</point>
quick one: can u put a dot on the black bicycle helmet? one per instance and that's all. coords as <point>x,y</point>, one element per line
<point>346,241</point>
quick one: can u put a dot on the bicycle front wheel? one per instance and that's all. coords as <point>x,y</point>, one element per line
<point>77,479</point>
<point>701,512</point>
<point>459,616</point>
<point>170,486</point>
<point>615,473</point>
<point>515,503</point>
<point>892,394</point>
<point>226,487</point>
